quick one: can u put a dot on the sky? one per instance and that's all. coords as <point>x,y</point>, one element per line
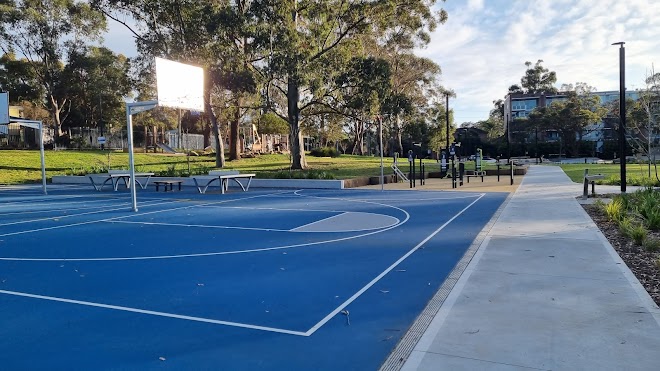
<point>483,46</point>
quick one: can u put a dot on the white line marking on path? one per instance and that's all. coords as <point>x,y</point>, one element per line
<point>154,313</point>
<point>386,271</point>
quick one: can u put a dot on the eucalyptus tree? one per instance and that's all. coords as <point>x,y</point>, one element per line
<point>18,78</point>
<point>98,83</point>
<point>177,30</point>
<point>41,31</point>
<point>365,85</point>
<point>538,79</point>
<point>309,41</point>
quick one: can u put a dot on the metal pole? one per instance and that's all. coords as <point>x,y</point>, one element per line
<point>508,144</point>
<point>131,163</point>
<point>622,113</point>
<point>447,119</point>
<point>43,157</point>
<point>380,138</point>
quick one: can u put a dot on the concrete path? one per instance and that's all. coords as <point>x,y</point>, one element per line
<point>545,291</point>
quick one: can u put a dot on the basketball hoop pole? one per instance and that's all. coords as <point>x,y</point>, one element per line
<point>131,108</point>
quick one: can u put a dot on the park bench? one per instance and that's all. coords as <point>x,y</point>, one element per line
<point>166,183</point>
<point>114,176</point>
<point>590,179</point>
<point>474,173</point>
<point>202,182</point>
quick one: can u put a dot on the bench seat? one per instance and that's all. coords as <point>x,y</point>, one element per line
<point>474,173</point>
<point>166,183</point>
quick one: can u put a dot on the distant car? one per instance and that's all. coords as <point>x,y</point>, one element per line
<point>489,160</point>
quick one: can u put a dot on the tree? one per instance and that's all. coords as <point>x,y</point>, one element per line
<point>179,30</point>
<point>98,83</point>
<point>494,125</point>
<point>643,116</point>
<point>571,116</point>
<point>41,31</point>
<point>537,79</point>
<point>19,79</point>
<point>270,123</point>
<point>365,84</point>
<point>309,42</point>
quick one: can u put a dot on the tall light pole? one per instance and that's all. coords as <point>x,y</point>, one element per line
<point>447,120</point>
<point>622,113</point>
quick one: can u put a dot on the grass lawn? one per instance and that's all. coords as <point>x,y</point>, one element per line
<point>21,166</point>
<point>636,174</point>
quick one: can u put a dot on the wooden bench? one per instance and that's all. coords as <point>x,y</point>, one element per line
<point>114,176</point>
<point>590,179</point>
<point>166,183</point>
<point>202,182</point>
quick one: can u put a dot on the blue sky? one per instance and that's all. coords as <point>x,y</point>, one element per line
<point>483,47</point>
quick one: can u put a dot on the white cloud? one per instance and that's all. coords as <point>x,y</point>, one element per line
<point>483,46</point>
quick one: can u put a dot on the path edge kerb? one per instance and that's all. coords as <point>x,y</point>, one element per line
<point>404,348</point>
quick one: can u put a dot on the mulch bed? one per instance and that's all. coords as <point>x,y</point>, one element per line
<point>642,263</point>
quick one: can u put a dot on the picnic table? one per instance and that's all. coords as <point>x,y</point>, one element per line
<point>115,176</point>
<point>202,182</point>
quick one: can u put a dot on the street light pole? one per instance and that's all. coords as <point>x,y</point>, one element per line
<point>447,120</point>
<point>622,113</point>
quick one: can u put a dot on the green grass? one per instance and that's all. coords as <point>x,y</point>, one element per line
<point>22,166</point>
<point>636,174</point>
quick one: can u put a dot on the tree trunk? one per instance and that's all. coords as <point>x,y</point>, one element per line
<point>234,140</point>
<point>55,113</point>
<point>219,143</point>
<point>296,146</point>
<point>399,139</point>
<point>154,129</point>
<point>358,140</point>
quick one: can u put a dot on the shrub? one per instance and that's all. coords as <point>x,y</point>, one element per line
<point>626,226</point>
<point>652,244</point>
<point>305,174</point>
<point>638,233</point>
<point>324,152</point>
<point>615,210</point>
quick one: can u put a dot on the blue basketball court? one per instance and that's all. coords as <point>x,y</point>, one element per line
<point>262,280</point>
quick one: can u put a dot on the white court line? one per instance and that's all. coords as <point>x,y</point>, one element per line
<point>109,219</point>
<point>44,199</point>
<point>386,271</point>
<point>102,210</point>
<point>217,253</point>
<point>200,226</point>
<point>154,313</point>
<point>61,210</point>
<point>275,208</point>
<point>319,221</point>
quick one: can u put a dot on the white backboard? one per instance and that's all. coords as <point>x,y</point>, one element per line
<point>4,108</point>
<point>179,85</point>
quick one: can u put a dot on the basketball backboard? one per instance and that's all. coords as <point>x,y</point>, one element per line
<point>179,85</point>
<point>4,108</point>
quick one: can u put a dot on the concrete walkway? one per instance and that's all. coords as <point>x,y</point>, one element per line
<point>545,291</point>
